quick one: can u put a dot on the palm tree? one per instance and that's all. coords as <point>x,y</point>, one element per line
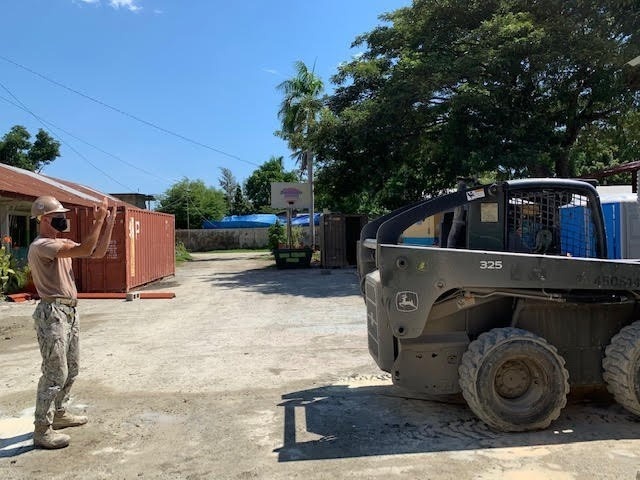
<point>299,112</point>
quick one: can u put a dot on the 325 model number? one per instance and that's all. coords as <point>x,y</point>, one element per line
<point>490,264</point>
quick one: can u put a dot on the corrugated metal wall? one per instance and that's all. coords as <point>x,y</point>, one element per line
<point>142,250</point>
<point>151,246</point>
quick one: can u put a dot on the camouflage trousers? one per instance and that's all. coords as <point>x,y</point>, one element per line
<point>57,327</point>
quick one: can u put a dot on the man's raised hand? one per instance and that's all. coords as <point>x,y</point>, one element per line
<point>102,211</point>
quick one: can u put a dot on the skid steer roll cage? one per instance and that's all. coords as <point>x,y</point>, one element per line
<point>388,228</point>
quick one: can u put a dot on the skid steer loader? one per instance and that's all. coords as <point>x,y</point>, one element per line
<point>513,304</point>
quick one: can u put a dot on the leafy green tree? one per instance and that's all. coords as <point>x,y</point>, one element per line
<point>299,112</point>
<point>240,204</point>
<point>258,185</point>
<point>17,150</point>
<point>603,146</point>
<point>228,183</point>
<point>465,87</point>
<point>192,202</point>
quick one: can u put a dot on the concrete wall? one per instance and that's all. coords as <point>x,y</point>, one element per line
<point>223,239</point>
<point>204,240</point>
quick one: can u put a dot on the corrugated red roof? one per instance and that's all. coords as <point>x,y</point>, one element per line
<point>27,185</point>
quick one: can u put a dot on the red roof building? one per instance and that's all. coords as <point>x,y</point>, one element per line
<point>142,247</point>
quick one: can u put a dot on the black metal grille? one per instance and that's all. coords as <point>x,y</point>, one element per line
<point>552,222</point>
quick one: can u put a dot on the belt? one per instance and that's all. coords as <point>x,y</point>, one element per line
<point>70,302</point>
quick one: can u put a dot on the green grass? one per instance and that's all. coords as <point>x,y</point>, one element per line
<point>182,255</point>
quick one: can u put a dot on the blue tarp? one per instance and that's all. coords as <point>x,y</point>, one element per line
<point>258,220</point>
<point>302,220</point>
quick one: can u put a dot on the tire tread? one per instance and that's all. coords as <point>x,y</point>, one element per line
<point>621,358</point>
<point>473,359</point>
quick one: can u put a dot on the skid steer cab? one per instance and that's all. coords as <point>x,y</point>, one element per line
<point>508,299</point>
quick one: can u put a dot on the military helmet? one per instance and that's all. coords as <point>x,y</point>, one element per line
<point>45,205</point>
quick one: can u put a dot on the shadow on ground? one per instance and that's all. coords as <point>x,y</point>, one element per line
<point>269,261</point>
<point>16,445</point>
<point>342,422</point>
<point>305,282</point>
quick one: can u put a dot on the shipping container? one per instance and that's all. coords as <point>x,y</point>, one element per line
<point>339,235</point>
<point>142,250</point>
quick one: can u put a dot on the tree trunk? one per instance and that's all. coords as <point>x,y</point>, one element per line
<point>561,160</point>
<point>312,223</point>
<point>562,164</point>
<point>567,141</point>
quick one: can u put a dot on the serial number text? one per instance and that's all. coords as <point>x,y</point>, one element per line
<point>618,282</point>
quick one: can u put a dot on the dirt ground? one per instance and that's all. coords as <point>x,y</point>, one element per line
<point>254,373</point>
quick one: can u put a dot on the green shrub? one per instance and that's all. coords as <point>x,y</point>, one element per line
<point>5,269</point>
<point>13,276</point>
<point>18,280</point>
<point>277,235</point>
<point>182,254</point>
<point>297,234</point>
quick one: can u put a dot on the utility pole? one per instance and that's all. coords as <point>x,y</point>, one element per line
<point>312,223</point>
<point>188,227</point>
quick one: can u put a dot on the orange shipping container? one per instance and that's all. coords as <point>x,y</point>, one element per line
<point>142,250</point>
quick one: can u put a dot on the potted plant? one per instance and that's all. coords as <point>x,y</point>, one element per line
<point>5,268</point>
<point>288,252</point>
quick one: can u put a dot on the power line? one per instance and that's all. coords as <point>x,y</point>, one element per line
<point>46,122</point>
<point>172,204</point>
<point>126,114</point>
<point>51,124</point>
<point>62,141</point>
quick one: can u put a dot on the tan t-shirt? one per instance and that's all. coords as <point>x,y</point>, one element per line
<point>53,277</point>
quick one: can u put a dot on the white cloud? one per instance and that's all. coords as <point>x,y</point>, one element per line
<point>271,71</point>
<point>127,4</point>
<point>131,5</point>
<point>158,12</point>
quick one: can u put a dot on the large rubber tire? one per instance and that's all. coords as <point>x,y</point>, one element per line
<point>621,366</point>
<point>513,380</point>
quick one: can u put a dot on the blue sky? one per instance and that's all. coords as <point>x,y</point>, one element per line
<point>204,69</point>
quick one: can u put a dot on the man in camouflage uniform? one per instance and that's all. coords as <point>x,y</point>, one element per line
<point>56,318</point>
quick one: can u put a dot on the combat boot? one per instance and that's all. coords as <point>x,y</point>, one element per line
<point>45,437</point>
<point>64,419</point>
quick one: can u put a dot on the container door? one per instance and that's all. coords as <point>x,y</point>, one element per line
<point>630,229</point>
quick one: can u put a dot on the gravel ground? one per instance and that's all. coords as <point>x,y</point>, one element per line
<point>251,372</point>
